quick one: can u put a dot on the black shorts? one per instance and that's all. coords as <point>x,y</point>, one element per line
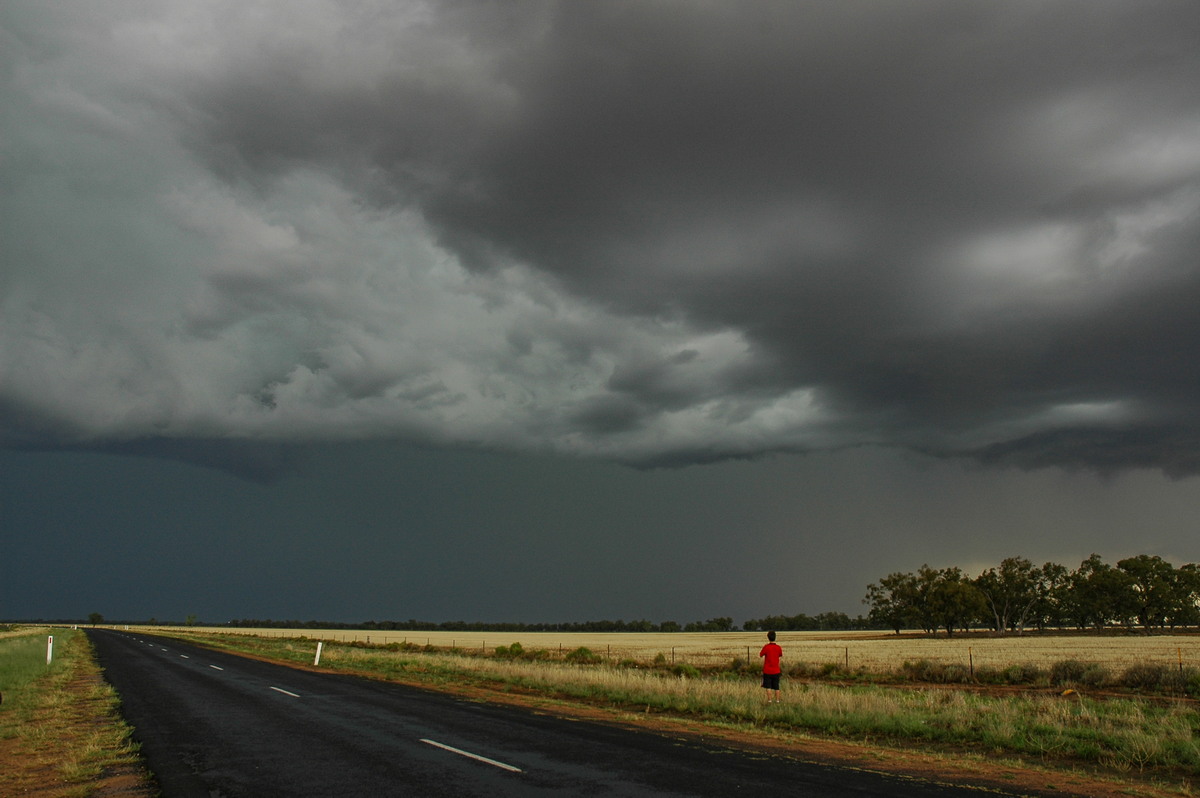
<point>771,681</point>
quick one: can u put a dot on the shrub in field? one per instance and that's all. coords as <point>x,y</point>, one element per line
<point>660,659</point>
<point>1067,672</point>
<point>685,671</point>
<point>1191,681</point>
<point>985,674</point>
<point>1145,676</point>
<point>939,673</point>
<point>510,652</point>
<point>1025,674</point>
<point>584,656</point>
<point>1095,675</point>
<point>956,674</point>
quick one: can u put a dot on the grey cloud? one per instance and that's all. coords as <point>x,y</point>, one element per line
<point>961,228</point>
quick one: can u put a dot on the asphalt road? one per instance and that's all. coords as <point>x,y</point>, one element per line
<point>215,725</point>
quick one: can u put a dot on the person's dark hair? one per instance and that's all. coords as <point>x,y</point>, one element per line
<point>771,636</point>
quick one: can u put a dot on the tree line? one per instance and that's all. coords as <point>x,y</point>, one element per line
<point>1144,591</point>
<point>412,625</point>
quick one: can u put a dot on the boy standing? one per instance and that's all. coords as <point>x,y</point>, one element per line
<point>771,654</point>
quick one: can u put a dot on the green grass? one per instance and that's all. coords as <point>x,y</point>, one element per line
<point>22,664</point>
<point>59,722</point>
<point>1129,734</point>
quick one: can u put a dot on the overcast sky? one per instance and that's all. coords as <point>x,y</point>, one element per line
<point>556,311</point>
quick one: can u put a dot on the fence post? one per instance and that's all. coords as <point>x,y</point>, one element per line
<point>971,662</point>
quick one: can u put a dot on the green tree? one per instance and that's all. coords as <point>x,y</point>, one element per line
<point>95,618</point>
<point>1052,588</point>
<point>1187,591</point>
<point>1010,592</point>
<point>1153,589</point>
<point>1099,594</point>
<point>892,601</point>
<point>952,601</point>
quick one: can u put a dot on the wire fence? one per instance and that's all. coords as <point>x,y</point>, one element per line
<point>871,652</point>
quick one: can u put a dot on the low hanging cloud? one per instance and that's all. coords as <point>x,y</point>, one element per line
<point>660,233</point>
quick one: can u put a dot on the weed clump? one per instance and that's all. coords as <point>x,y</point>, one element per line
<point>510,652</point>
<point>924,670</point>
<point>584,656</point>
<point>1067,672</point>
<point>1145,676</point>
<point>685,671</point>
<point>1025,674</point>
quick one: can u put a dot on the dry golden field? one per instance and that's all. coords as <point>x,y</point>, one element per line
<point>873,651</point>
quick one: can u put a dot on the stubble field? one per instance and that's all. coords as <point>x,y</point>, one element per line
<point>871,651</point>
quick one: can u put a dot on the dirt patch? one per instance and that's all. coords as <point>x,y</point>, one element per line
<point>48,757</point>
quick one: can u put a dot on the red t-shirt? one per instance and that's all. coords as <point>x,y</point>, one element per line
<point>771,654</point>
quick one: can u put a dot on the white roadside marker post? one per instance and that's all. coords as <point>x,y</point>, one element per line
<point>317,661</point>
<point>49,649</point>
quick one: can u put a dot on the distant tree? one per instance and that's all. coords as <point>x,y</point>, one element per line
<point>1187,591</point>
<point>1153,589</point>
<point>892,601</point>
<point>952,601</point>
<point>1099,594</point>
<point>1010,591</point>
<point>95,618</point>
<point>711,625</point>
<point>1052,587</point>
<point>833,621</point>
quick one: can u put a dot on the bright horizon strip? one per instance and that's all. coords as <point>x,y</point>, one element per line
<point>468,754</point>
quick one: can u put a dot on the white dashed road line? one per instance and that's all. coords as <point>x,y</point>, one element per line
<point>469,755</point>
<point>285,692</point>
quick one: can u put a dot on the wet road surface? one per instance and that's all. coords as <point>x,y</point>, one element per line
<point>215,725</point>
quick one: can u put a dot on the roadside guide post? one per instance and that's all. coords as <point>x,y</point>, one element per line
<point>49,649</point>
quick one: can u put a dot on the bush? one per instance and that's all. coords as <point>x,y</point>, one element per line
<point>1095,675</point>
<point>801,670</point>
<point>925,671</point>
<point>1145,676</point>
<point>986,674</point>
<point>1024,674</point>
<point>956,674</point>
<point>1067,672</point>
<point>510,652</point>
<point>685,671</point>
<point>584,656</point>
<point>1191,681</point>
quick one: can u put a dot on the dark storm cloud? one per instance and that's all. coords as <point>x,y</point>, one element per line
<point>662,232</point>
